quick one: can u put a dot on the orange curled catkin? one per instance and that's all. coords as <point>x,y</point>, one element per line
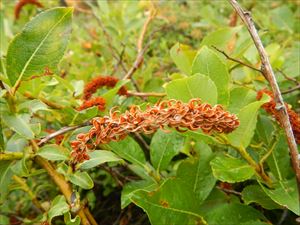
<point>193,115</point>
<point>98,82</point>
<point>21,3</point>
<point>97,101</point>
<point>270,108</point>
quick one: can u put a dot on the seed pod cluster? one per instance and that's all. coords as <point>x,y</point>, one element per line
<point>193,115</point>
<point>270,108</point>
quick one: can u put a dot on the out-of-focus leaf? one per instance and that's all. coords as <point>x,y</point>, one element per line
<point>41,44</point>
<point>20,168</point>
<point>19,123</point>
<point>33,106</point>
<point>5,178</point>
<point>164,146</point>
<point>231,170</point>
<point>197,86</point>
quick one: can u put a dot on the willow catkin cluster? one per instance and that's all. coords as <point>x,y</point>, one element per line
<point>21,3</point>
<point>270,108</point>
<point>101,81</point>
<point>97,101</point>
<point>92,86</point>
<point>193,115</point>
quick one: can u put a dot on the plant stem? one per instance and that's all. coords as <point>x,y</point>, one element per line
<point>62,184</point>
<point>11,155</point>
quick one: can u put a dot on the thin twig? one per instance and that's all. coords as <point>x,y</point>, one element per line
<point>137,63</point>
<point>229,191</point>
<point>142,141</point>
<point>288,77</point>
<point>108,38</point>
<point>151,16</point>
<point>140,49</point>
<point>291,89</point>
<point>61,131</point>
<point>236,60</point>
<point>269,74</point>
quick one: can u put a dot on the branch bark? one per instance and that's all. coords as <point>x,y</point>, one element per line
<point>269,75</point>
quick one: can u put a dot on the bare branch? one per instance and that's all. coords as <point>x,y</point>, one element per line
<point>269,75</point>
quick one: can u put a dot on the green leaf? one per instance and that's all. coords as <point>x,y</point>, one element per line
<point>128,149</point>
<point>197,86</point>
<point>220,38</point>
<point>41,44</point>
<point>5,178</point>
<point>208,63</point>
<point>254,194</point>
<point>285,193</point>
<point>164,146</point>
<point>81,179</point>
<point>242,136</point>
<point>64,83</point>
<point>33,106</point>
<point>183,56</point>
<point>54,152</point>
<point>196,173</point>
<point>110,95</point>
<point>172,203</point>
<point>240,97</point>
<point>231,170</point>
<point>282,17</point>
<point>130,188</point>
<point>236,213</point>
<point>98,157</point>
<point>20,168</point>
<point>4,220</point>
<point>59,206</point>
<point>69,221</point>
<point>19,123</point>
<point>279,161</point>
